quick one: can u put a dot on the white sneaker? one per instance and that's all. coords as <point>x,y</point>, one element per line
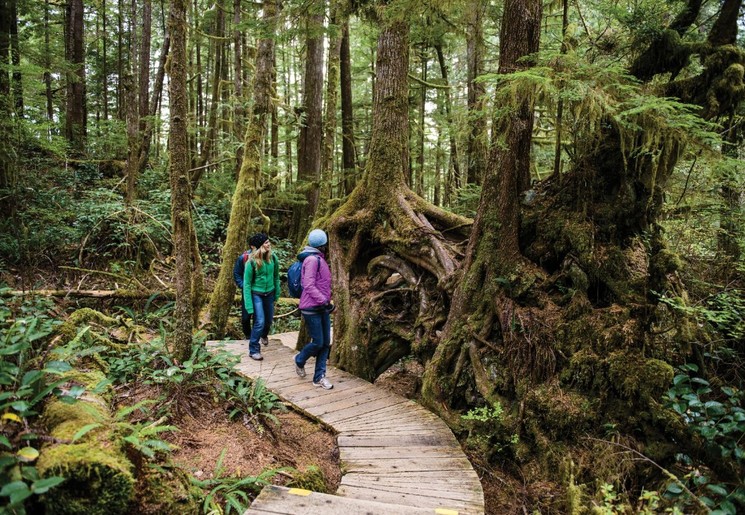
<point>256,356</point>
<point>300,371</point>
<point>264,341</point>
<point>324,383</point>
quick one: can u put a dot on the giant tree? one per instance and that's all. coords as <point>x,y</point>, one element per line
<point>391,252</point>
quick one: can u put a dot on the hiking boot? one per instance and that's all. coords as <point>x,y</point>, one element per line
<point>324,383</point>
<point>264,341</point>
<point>256,356</point>
<point>300,371</point>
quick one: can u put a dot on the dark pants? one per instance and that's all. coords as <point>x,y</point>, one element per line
<point>319,328</point>
<point>245,319</point>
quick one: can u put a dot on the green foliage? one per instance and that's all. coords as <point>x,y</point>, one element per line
<point>723,311</point>
<point>716,415</point>
<point>26,382</point>
<point>232,492</point>
<point>487,432</point>
<point>150,363</point>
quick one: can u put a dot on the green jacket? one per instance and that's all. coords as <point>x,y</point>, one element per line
<point>260,280</point>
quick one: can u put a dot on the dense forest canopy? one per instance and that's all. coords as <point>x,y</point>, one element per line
<point>538,203</point>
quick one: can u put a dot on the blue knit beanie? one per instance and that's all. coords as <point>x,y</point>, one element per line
<point>317,238</point>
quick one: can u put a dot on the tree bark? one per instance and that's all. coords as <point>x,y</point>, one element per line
<point>348,148</point>
<point>453,166</point>
<point>180,182</point>
<point>247,190</point>
<point>477,150</point>
<point>15,59</point>
<point>76,111</point>
<point>332,88</point>
<point>311,131</point>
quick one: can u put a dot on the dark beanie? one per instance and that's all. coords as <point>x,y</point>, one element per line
<point>258,239</point>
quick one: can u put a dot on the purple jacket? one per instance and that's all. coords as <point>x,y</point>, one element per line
<point>316,279</point>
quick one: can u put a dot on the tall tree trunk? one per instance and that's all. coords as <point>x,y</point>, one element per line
<point>48,66</point>
<point>8,168</point>
<point>332,88</point>
<point>104,63</point>
<point>15,59</point>
<point>419,185</point>
<point>348,148</point>
<point>180,182</point>
<point>247,190</point>
<point>210,136</point>
<point>477,148</point>
<point>76,112</point>
<point>493,247</point>
<point>238,111</point>
<point>454,165</point>
<point>560,104</point>
<point>311,131</point>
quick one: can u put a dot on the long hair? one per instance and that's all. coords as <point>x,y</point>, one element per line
<point>261,256</point>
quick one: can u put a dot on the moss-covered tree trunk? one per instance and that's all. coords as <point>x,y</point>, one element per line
<point>247,190</point>
<point>391,252</point>
<point>180,183</point>
<point>493,254</point>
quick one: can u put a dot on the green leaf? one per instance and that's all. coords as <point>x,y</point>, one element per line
<point>717,489</point>
<point>27,454</point>
<point>674,489</point>
<point>57,367</point>
<point>84,430</point>
<point>43,485</point>
<point>14,486</point>
<point>4,440</point>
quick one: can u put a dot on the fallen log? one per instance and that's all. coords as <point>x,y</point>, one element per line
<point>98,294</point>
<point>98,476</point>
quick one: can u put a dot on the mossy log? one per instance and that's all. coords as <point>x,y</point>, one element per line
<point>98,476</point>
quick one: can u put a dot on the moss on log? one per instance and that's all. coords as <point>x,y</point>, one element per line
<point>98,477</point>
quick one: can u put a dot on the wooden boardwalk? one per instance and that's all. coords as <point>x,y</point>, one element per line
<point>396,457</point>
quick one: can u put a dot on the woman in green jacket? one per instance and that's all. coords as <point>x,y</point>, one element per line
<point>261,279</point>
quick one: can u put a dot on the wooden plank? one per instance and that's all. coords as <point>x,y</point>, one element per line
<point>442,491</point>
<point>275,499</point>
<point>397,452</point>
<point>308,398</point>
<point>409,464</point>
<point>396,441</point>
<point>339,414</point>
<point>409,499</point>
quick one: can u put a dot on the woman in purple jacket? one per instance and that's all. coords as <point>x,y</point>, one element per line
<point>316,307</point>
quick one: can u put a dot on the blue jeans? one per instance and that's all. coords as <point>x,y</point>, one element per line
<point>263,316</point>
<point>319,328</point>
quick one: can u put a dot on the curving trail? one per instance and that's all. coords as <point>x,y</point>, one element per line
<point>397,457</point>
